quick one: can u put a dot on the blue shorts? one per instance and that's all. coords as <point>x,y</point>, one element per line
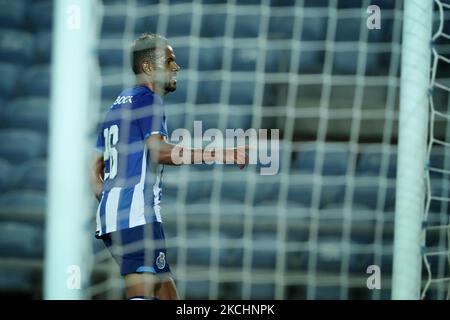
<point>139,249</point>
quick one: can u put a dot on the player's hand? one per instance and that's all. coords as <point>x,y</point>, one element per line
<point>238,156</point>
<point>241,157</point>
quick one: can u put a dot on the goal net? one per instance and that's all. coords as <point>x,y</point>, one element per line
<point>436,227</point>
<point>322,73</point>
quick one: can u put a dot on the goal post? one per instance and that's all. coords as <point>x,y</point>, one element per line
<point>68,207</point>
<point>413,124</point>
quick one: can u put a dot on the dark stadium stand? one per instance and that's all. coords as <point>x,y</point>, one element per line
<point>25,51</point>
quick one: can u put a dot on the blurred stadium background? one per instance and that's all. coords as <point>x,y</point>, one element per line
<point>311,68</point>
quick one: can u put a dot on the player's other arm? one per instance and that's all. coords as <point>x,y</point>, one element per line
<point>163,153</point>
<point>97,169</point>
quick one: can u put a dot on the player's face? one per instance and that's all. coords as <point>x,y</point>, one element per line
<point>170,70</point>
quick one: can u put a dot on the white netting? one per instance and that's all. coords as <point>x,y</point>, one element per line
<point>315,71</point>
<point>436,219</point>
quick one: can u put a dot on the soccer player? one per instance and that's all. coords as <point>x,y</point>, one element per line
<point>127,169</point>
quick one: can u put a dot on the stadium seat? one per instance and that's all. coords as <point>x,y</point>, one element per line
<point>116,2</point>
<point>357,4</point>
<point>208,91</point>
<point>437,161</point>
<point>238,118</point>
<point>231,253</point>
<point>263,291</point>
<point>370,162</point>
<point>316,3</point>
<point>346,62</point>
<point>439,190</point>
<point>241,92</point>
<point>360,258</point>
<point>264,251</point>
<point>281,27</point>
<point>6,176</point>
<point>147,23</point>
<point>109,57</point>
<point>199,248</point>
<point>196,189</point>
<point>248,2</point>
<point>335,211</point>
<point>20,240</point>
<point>27,113</point>
<point>334,159</point>
<point>200,209</point>
<point>36,81</point>
<point>234,190</point>
<point>387,258</point>
<point>367,195</point>
<point>179,1</point>
<point>24,205</point>
<point>327,293</point>
<point>210,57</point>
<point>314,29</point>
<point>311,61</point>
<point>33,175</point>
<point>349,29</point>
<point>144,3</point>
<point>112,78</point>
<point>266,189</point>
<point>244,59</point>
<point>15,280</point>
<point>113,24</point>
<point>387,4</point>
<point>175,120</point>
<point>12,14</point>
<point>179,25</point>
<point>297,259</point>
<point>282,3</point>
<point>21,145</point>
<point>214,1</point>
<point>301,193</point>
<point>10,76</point>
<point>43,47</point>
<point>213,25</point>
<point>208,120</point>
<point>41,15</point>
<point>16,47</point>
<point>197,289</point>
<point>329,254</point>
<point>246,26</point>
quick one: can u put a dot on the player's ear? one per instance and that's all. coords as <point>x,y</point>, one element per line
<point>147,67</point>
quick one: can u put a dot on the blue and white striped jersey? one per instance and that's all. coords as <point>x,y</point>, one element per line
<point>132,187</point>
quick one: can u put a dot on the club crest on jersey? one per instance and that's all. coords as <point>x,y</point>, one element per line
<point>161,260</point>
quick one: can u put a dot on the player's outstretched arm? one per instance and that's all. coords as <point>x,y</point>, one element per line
<point>97,167</point>
<point>170,154</point>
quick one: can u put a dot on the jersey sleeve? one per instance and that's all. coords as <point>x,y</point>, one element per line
<point>151,118</point>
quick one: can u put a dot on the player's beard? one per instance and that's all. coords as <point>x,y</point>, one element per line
<point>171,83</point>
<point>165,81</point>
